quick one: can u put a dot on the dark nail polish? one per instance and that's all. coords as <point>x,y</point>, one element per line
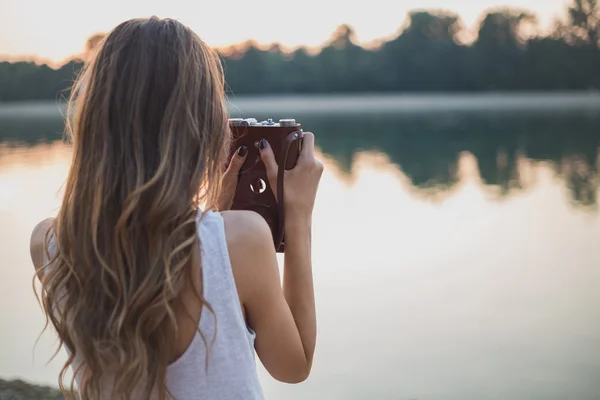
<point>262,144</point>
<point>242,151</point>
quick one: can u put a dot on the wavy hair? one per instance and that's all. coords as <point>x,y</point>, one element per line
<point>148,124</point>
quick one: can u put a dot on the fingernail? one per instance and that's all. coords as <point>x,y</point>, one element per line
<point>262,144</point>
<point>242,151</point>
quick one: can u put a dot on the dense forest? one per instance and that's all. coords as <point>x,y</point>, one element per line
<point>428,54</point>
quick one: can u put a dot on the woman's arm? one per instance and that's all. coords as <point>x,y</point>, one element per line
<point>283,318</point>
<point>298,286</point>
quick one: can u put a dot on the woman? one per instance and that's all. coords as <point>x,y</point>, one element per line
<point>150,296</point>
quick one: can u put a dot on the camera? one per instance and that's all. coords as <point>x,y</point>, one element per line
<point>253,191</point>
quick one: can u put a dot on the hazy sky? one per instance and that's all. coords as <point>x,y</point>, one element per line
<point>56,29</point>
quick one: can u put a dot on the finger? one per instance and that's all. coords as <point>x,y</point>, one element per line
<point>308,147</point>
<point>268,158</point>
<point>228,184</point>
<point>237,161</point>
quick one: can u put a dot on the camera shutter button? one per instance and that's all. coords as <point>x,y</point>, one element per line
<point>287,122</point>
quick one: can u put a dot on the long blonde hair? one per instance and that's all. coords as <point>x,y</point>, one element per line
<point>148,123</point>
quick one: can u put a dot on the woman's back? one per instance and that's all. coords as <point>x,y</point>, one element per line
<point>228,370</point>
<point>213,366</point>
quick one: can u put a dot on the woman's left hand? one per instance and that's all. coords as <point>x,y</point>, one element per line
<point>230,178</point>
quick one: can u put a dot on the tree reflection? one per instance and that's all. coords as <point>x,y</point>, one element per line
<point>581,178</point>
<point>428,146</point>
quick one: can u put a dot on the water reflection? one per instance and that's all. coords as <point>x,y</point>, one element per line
<point>427,146</point>
<point>488,289</point>
<point>31,128</point>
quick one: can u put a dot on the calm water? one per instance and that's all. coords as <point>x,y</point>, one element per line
<point>456,246</point>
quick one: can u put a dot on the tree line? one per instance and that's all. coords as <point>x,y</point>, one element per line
<point>429,54</point>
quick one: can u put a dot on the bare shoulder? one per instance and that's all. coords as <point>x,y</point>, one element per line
<point>245,229</point>
<point>36,243</point>
<point>251,251</point>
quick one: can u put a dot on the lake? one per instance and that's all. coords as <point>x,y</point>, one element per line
<point>456,244</point>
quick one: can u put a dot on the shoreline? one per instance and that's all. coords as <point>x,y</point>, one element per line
<point>17,389</point>
<point>366,103</point>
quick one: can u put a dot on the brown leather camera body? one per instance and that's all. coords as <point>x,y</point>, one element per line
<point>253,191</point>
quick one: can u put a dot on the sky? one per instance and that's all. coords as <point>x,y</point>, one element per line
<point>53,30</point>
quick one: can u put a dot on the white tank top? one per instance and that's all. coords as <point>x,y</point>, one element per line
<point>231,372</point>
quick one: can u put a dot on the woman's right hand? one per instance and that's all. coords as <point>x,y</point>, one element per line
<point>282,311</point>
<point>300,182</point>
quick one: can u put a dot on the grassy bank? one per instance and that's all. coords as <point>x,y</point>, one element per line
<point>19,390</point>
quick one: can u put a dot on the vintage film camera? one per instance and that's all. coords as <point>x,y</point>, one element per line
<point>253,191</point>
